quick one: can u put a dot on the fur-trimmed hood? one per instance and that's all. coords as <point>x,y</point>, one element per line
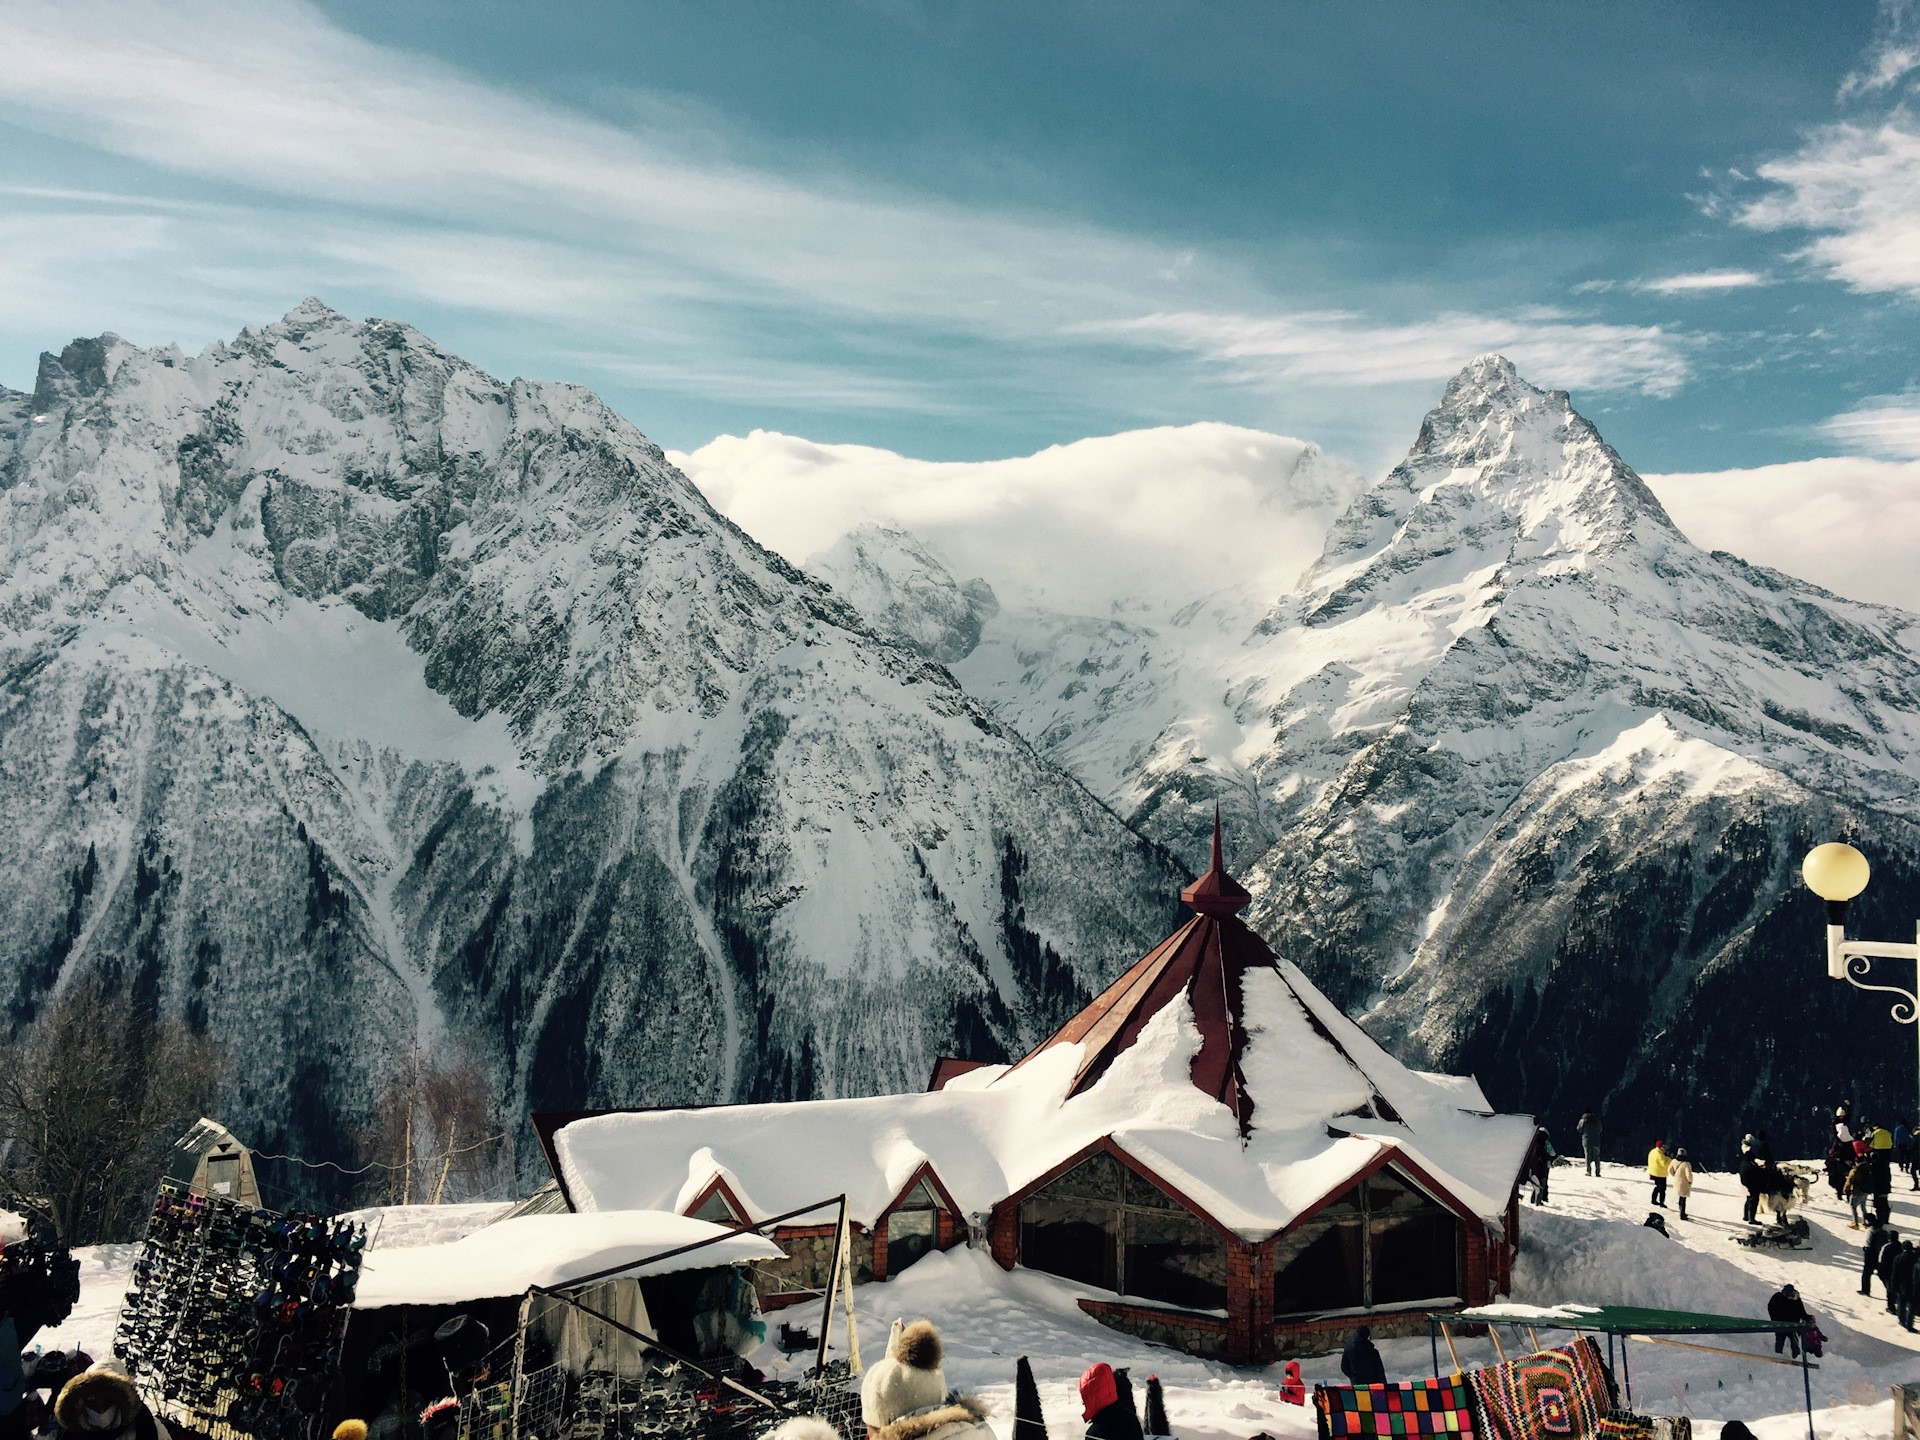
<point>960,1410</point>
<point>99,1390</point>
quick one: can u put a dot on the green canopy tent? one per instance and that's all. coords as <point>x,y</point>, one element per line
<point>1624,1321</point>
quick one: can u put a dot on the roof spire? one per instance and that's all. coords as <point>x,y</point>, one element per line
<point>1216,892</point>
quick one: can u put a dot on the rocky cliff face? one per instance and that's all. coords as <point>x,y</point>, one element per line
<point>356,700</point>
<point>1541,773</point>
<point>1524,776</point>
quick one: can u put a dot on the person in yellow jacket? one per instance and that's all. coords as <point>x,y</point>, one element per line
<point>1657,1167</point>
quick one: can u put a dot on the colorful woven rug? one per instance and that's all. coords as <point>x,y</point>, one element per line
<point>1441,1406</point>
<point>1551,1395</point>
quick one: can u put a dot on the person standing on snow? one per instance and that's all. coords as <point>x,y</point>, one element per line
<point>1854,1191</point>
<point>1681,1173</point>
<point>1880,1156</point>
<point>1589,1128</point>
<point>1657,1166</point>
<point>1785,1304</point>
<point>1360,1362</point>
<point>1878,1239</point>
<point>1753,1178</point>
<point>1900,1284</point>
<point>1906,1153</point>
<point>1889,1257</point>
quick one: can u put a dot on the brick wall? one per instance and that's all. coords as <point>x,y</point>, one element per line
<point>1476,1273</point>
<point>1003,1235</point>
<point>1181,1329</point>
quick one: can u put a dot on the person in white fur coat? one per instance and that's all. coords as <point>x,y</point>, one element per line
<point>905,1397</point>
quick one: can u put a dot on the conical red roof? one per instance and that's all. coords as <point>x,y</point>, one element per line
<point>1205,960</point>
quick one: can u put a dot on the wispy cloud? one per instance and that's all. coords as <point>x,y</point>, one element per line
<point>1859,186</point>
<point>1894,54</point>
<point>1552,349</point>
<point>1856,184</point>
<point>1702,280</point>
<point>379,168</point>
<point>1887,426</point>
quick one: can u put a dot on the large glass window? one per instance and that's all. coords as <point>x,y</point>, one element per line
<point>1382,1243</point>
<point>716,1209</point>
<point>913,1229</point>
<point>1105,1226</point>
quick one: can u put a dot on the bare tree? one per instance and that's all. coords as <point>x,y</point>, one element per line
<point>433,1137</point>
<point>92,1095</point>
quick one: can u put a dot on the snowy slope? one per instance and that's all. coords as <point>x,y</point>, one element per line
<point>1515,768</point>
<point>1544,771</point>
<point>355,698</point>
<point>1122,576</point>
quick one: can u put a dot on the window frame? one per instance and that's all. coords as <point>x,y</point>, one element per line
<point>1363,1219</point>
<point>1119,1210</point>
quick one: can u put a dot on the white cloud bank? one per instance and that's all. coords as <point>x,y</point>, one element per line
<point>364,165</point>
<point>1845,523</point>
<point>1153,518</point>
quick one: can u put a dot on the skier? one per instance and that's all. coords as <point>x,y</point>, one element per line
<point>1681,1173</point>
<point>1785,1305</point>
<point>1589,1129</point>
<point>1360,1362</point>
<point>1878,1239</point>
<point>1657,1166</point>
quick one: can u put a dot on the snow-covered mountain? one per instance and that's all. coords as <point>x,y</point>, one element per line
<point>355,699</point>
<point>1528,773</point>
<point>1543,771</point>
<point>1116,581</point>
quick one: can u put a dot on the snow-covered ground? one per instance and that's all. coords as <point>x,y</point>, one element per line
<point>1587,1245</point>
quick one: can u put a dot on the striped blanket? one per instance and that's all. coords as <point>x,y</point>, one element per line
<point>1412,1407</point>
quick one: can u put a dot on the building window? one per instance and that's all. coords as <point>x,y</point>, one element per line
<point>1384,1242</point>
<point>913,1228</point>
<point>1106,1226</point>
<point>716,1209</point>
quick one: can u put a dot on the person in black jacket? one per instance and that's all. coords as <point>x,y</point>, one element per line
<point>1890,1257</point>
<point>1360,1362</point>
<point>1753,1179</point>
<point>1878,1239</point>
<point>1900,1284</point>
<point>1785,1304</point>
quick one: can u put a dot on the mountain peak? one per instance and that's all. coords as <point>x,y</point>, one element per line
<point>1502,472</point>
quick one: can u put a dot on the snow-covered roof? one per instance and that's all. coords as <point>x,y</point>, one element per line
<point>1217,1065</point>
<point>507,1257</point>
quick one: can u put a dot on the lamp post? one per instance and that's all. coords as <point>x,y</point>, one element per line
<point>1837,873</point>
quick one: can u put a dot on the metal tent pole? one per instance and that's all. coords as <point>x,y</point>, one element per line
<point>1433,1339</point>
<point>1806,1380</point>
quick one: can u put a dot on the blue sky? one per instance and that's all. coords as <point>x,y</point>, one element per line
<point>963,231</point>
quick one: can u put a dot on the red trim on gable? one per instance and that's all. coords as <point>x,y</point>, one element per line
<point>1106,1143</point>
<point>1392,1155</point>
<point>950,1067</point>
<point>743,1216</point>
<point>925,1171</point>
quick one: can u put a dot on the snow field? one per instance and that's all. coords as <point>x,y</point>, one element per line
<point>1588,1246</point>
